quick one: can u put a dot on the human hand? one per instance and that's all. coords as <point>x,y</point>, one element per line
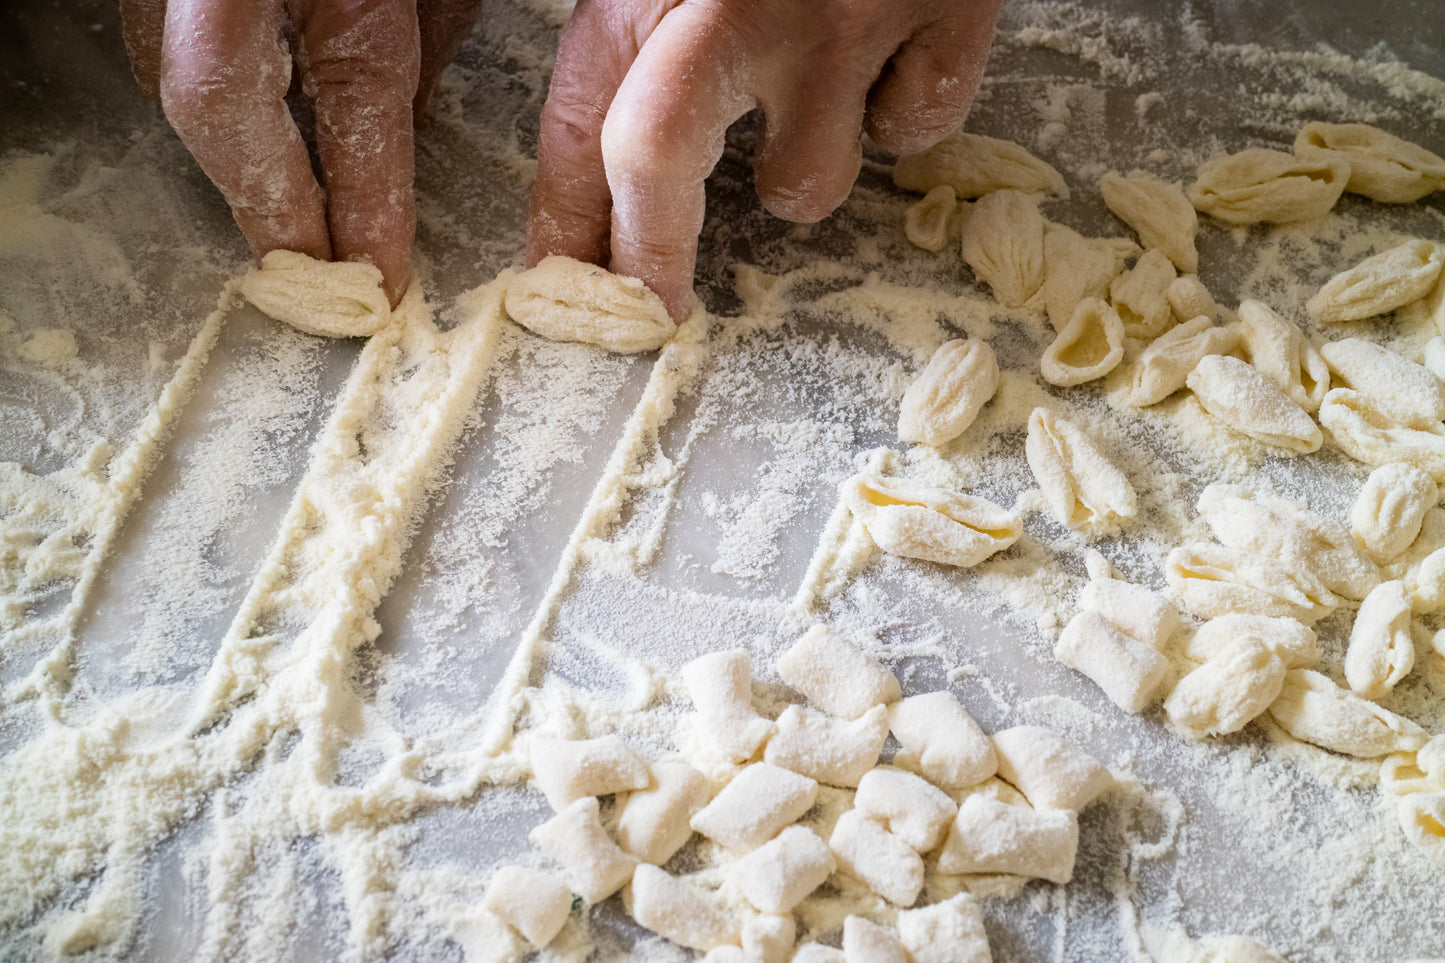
<point>644,91</point>
<point>221,70</point>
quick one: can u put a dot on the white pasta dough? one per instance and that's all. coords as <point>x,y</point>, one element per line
<point>1141,296</point>
<point>1158,211</point>
<point>575,839</point>
<point>1261,185</point>
<point>671,907</point>
<point>1383,167</point>
<point>1189,299</point>
<point>940,741</point>
<point>564,299</point>
<point>1381,650</point>
<point>1378,284</point>
<point>1242,398</point>
<point>1049,772</point>
<point>1137,612</point>
<point>946,397</point>
<point>908,806</point>
<point>947,932</point>
<point>1003,243</point>
<point>654,822</point>
<point>975,165</point>
<point>925,223</point>
<point>1216,580</point>
<point>1164,366</point>
<point>1391,508</point>
<point>1422,817</point>
<point>1237,683</point>
<point>819,953</point>
<point>336,299</point>
<point>1278,350</point>
<point>1313,709</point>
<point>836,752</point>
<point>779,874</point>
<point>566,770</point>
<point>1088,347</point>
<point>720,684</point>
<point>1400,390</point>
<point>1292,641</point>
<point>866,942</point>
<point>1129,672</point>
<point>1369,435</point>
<point>906,518</point>
<point>769,939</point>
<point>755,806</point>
<point>835,675</point>
<point>533,903</point>
<point>989,836</point>
<point>1084,489</point>
<point>869,852</point>
<point>1077,268</point>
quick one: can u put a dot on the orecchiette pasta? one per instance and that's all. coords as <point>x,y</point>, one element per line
<point>832,751</point>
<point>1313,709</point>
<point>867,942</point>
<point>1367,434</point>
<point>564,299</point>
<point>1400,390</point>
<point>1077,268</point>
<point>1051,773</point>
<point>916,521</point>
<point>1083,488</point>
<point>672,908</point>
<point>755,806</point>
<point>1215,580</point>
<point>1259,185</point>
<point>871,853</point>
<point>1381,650</point>
<point>576,839</point>
<point>533,903</point>
<point>835,675</point>
<point>1422,817</point>
<point>1158,211</point>
<point>926,223</point>
<point>947,932</point>
<point>943,401</point>
<point>993,837</point>
<point>779,874</point>
<point>721,686</point>
<point>1190,299</point>
<point>1292,641</point>
<point>974,165</point>
<point>1383,167</point>
<point>1242,398</point>
<point>940,741</point>
<point>1140,295</point>
<point>1240,680</point>
<point>1129,671</point>
<point>1089,346</point>
<point>909,807</point>
<point>1003,244</point>
<point>1132,609</point>
<point>1379,284</point>
<point>1390,509</point>
<point>1278,350</point>
<point>567,770</point>
<point>654,821</point>
<point>1165,365</point>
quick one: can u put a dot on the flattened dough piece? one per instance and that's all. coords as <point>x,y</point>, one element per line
<point>564,299</point>
<point>335,299</point>
<point>1260,185</point>
<point>1383,167</point>
<point>974,165</point>
<point>1158,211</point>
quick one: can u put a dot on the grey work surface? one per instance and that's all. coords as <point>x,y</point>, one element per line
<point>65,90</point>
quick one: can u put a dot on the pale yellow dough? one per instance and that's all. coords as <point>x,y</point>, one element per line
<point>335,299</point>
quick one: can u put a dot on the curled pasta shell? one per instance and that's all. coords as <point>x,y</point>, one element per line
<point>958,380</point>
<point>1238,395</point>
<point>917,521</point>
<point>1215,580</point>
<point>975,165</point>
<point>1189,299</point>
<point>1368,435</point>
<point>1077,268</point>
<point>1390,509</point>
<point>1158,211</point>
<point>1383,167</point>
<point>1163,367</point>
<point>926,222</point>
<point>1089,346</point>
<point>1083,487</point>
<point>1279,351</point>
<point>1422,817</point>
<point>1379,284</point>
<point>1140,295</point>
<point>1313,709</point>
<point>1260,185</point>
<point>568,300</point>
<point>1400,390</point>
<point>1381,651</point>
<point>1003,243</point>
<point>1291,640</point>
<point>1227,692</point>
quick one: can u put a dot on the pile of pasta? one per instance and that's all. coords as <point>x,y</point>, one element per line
<point>955,801</point>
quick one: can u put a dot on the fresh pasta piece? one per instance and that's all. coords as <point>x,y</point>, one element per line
<point>1215,580</point>
<point>1140,295</point>
<point>1050,773</point>
<point>653,824</point>
<point>1127,670</point>
<point>1434,354</point>
<point>957,382</point>
<point>533,903</point>
<point>769,939</point>
<point>333,299</point>
<point>576,840</point>
<point>975,165</point>
<point>755,806</point>
<point>947,932</point>
<point>721,686</point>
<point>1430,758</point>
<point>780,874</point>
<point>867,942</point>
<point>1378,284</point>
<point>811,952</point>
<point>568,769</point>
<point>906,518</point>
<point>1088,347</point>
<point>1158,211</point>
<point>1422,817</point>
<point>1422,565</point>
<point>832,751</point>
<point>673,909</point>
<point>1077,268</point>
<point>1278,350</point>
<point>1142,615</point>
<point>1003,244</point>
<point>1381,650</point>
<point>563,299</point>
<point>835,675</point>
<point>1390,509</point>
<point>1084,489</point>
<point>1287,532</point>
<point>1292,641</point>
<point>909,807</point>
<point>1259,185</point>
<point>869,852</point>
<point>1369,435</point>
<point>926,222</point>
<point>1383,167</point>
<point>1313,709</point>
<point>1242,398</point>
<point>1400,390</point>
<point>1226,693</point>
<point>1189,299</point>
<point>940,741</point>
<point>989,836</point>
<point>1402,773</point>
<point>1164,366</point>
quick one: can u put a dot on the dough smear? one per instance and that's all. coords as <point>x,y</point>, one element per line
<point>335,299</point>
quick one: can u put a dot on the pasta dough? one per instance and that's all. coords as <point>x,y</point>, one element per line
<point>564,299</point>
<point>1158,211</point>
<point>835,675</point>
<point>671,907</point>
<point>871,853</point>
<point>1260,185</point>
<point>1242,398</point>
<point>832,751</point>
<point>906,518</point>
<point>1383,167</point>
<point>943,401</point>
<point>755,806</point>
<point>335,299</point>
<point>567,770</point>
<point>1050,772</point>
<point>975,165</point>
<point>993,837</point>
<point>1003,243</point>
<point>909,807</point>
<point>947,932</point>
<point>1088,347</point>
<point>780,874</point>
<point>1084,489</point>
<point>940,741</point>
<point>1379,284</point>
<point>534,904</point>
